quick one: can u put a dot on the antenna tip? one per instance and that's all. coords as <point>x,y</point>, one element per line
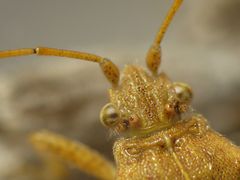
<point>153,58</point>
<point>111,71</point>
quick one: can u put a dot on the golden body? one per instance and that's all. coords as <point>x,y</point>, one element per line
<point>183,147</point>
<point>189,150</point>
<point>163,137</point>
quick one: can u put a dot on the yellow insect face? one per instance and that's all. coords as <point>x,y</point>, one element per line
<point>145,103</point>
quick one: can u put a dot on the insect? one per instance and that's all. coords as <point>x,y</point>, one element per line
<point>161,138</point>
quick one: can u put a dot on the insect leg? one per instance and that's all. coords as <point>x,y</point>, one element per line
<point>153,58</point>
<point>86,159</point>
<point>109,69</point>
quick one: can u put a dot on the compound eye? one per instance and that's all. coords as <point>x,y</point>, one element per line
<point>183,91</point>
<point>109,115</point>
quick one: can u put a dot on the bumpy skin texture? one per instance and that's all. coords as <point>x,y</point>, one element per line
<point>188,150</point>
<point>143,98</point>
<point>179,146</point>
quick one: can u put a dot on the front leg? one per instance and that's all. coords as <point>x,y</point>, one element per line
<point>86,159</point>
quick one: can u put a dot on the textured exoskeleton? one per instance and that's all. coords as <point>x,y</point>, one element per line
<point>162,137</point>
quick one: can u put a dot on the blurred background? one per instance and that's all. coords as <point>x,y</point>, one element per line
<point>201,48</point>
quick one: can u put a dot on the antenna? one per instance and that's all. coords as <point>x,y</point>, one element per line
<point>109,69</point>
<point>153,58</point>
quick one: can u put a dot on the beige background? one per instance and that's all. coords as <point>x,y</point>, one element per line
<point>201,48</point>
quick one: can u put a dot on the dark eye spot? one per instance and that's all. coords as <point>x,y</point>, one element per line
<point>183,92</point>
<point>126,123</point>
<point>109,115</point>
